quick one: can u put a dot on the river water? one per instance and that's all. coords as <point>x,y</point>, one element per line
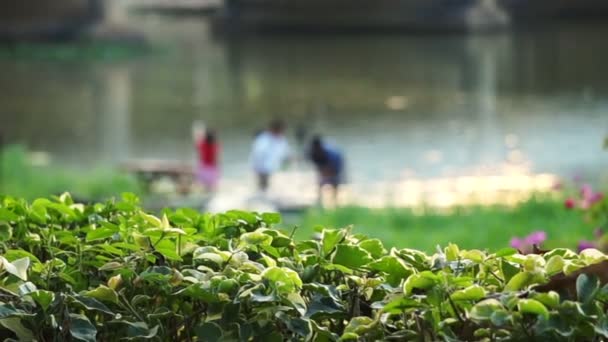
<point>400,106</point>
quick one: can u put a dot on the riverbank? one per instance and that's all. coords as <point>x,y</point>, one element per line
<point>31,175</point>
<point>471,227</point>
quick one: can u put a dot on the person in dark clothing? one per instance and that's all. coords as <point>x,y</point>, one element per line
<point>329,163</point>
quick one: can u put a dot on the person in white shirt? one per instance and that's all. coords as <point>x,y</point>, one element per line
<point>269,152</point>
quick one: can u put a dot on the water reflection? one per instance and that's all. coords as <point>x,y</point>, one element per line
<point>412,109</point>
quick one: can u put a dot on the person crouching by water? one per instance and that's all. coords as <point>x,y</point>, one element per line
<point>208,148</point>
<point>330,165</point>
<point>269,152</point>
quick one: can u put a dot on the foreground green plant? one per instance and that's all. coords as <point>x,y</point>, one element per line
<point>110,271</point>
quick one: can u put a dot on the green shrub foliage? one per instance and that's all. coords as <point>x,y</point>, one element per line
<point>111,271</point>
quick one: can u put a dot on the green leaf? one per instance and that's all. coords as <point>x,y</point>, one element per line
<point>322,307</point>
<point>6,215</point>
<point>331,237</point>
<point>563,252</point>
<point>534,263</point>
<point>484,309</point>
<point>103,293</point>
<point>325,290</point>
<point>601,328</point>
<point>452,252</point>
<point>42,298</point>
<point>139,330</point>
<point>555,265</point>
<point>587,287</point>
<point>394,267</point>
<point>505,252</point>
<point>471,293</point>
<point>210,256</point>
<point>349,336</point>
<point>400,304</point>
<point>271,218</point>
<point>166,231</point>
<point>374,247</point>
<point>533,307</point>
<point>283,279</point>
<point>297,325</point>
<point>8,310</point>
<point>66,198</point>
<point>91,304</point>
<point>296,300</point>
<point>508,270</point>
<point>500,318</point>
<point>81,328</point>
<point>14,254</point>
<point>422,281</point>
<point>18,267</point>
<point>592,256</point>
<point>142,241</point>
<point>520,281</point>
<point>278,238</point>
<point>169,251</point>
<point>6,232</point>
<point>351,256</point>
<point>62,209</point>
<point>152,220</point>
<point>549,299</point>
<point>111,266</point>
<point>14,324</point>
<point>100,233</point>
<point>209,332</point>
<point>323,334</point>
<point>38,211</point>
<point>473,255</point>
<point>359,325</point>
<point>26,288</point>
<point>416,258</point>
<point>256,238</point>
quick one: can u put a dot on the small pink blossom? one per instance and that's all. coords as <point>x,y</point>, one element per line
<point>516,243</point>
<point>596,197</point>
<point>589,196</point>
<point>586,190</point>
<point>526,245</point>
<point>584,244</point>
<point>536,238</point>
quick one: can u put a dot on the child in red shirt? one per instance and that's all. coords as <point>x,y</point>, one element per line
<point>208,153</point>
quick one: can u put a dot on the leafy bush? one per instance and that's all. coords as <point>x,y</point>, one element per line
<point>109,271</point>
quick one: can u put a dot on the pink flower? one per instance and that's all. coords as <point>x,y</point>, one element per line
<point>526,245</point>
<point>586,191</point>
<point>570,203</point>
<point>516,243</point>
<point>589,196</point>
<point>536,238</point>
<point>583,244</point>
<point>596,197</point>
